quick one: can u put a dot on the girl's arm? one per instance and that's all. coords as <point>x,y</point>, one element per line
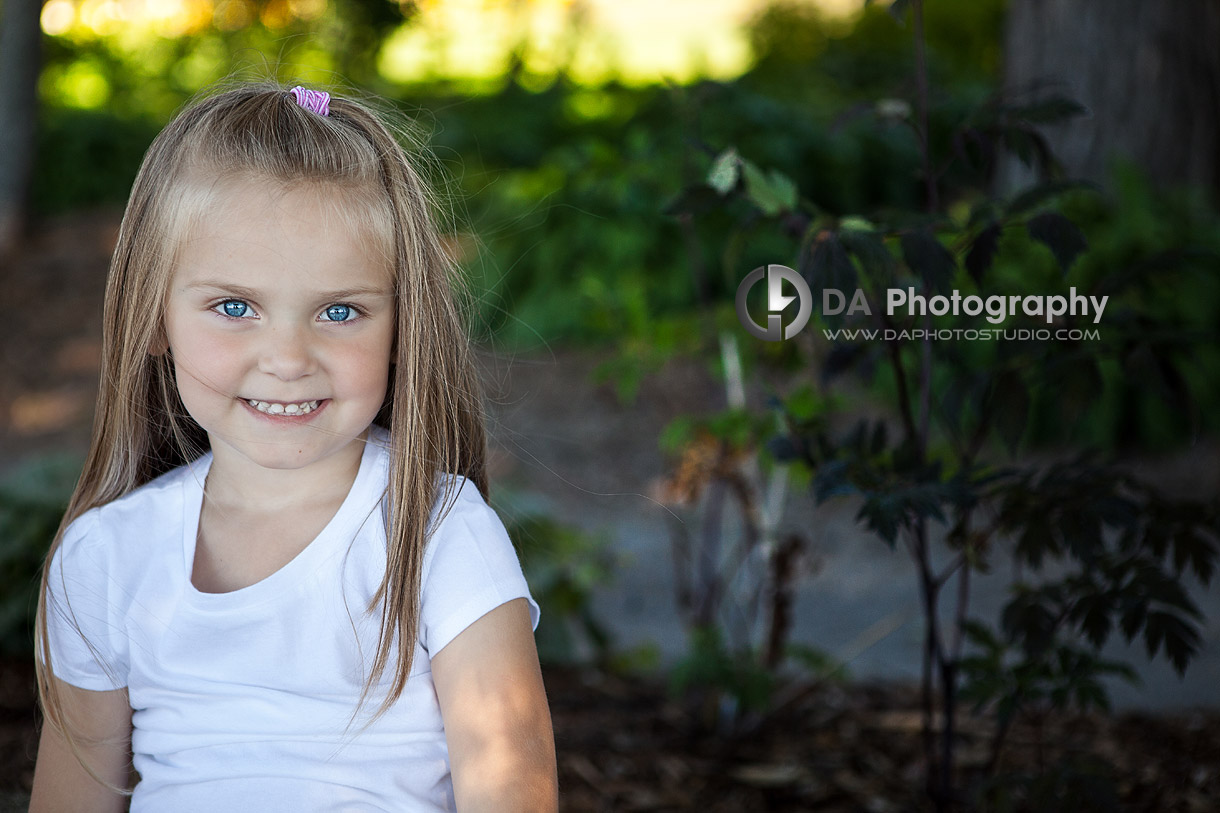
<point>101,722</point>
<point>497,723</point>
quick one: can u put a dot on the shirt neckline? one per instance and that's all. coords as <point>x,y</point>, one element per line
<point>359,506</point>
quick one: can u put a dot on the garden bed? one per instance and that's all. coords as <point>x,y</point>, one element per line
<point>625,745</point>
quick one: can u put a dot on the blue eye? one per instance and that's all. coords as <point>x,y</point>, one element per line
<point>234,308</point>
<point>339,313</point>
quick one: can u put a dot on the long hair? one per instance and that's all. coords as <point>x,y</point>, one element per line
<point>433,406</point>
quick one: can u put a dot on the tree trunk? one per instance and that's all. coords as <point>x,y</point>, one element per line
<point>1147,70</point>
<point>20,46</point>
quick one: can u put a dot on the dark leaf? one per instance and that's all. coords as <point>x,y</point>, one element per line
<point>883,515</point>
<point>879,440</point>
<point>832,481</point>
<point>1172,385</point>
<point>694,200</point>
<point>1032,148</point>
<point>1180,639</point>
<point>898,10</point>
<point>869,248</point>
<point>1202,555</point>
<point>1077,384</point>
<point>931,261</point>
<point>1035,541</point>
<point>1095,620</point>
<point>1060,235</point>
<point>782,449</point>
<point>980,634</point>
<point>1050,110</point>
<point>1010,408</point>
<point>841,358</point>
<point>1022,144</point>
<point>829,267</point>
<point>982,212</point>
<point>1135,610</point>
<point>982,251</point>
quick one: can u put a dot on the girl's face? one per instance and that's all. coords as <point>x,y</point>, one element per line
<point>280,322</point>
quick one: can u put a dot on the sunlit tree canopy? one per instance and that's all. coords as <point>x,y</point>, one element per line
<point>145,55</point>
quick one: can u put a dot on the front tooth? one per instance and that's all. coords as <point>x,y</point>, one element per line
<point>276,409</point>
<point>291,409</point>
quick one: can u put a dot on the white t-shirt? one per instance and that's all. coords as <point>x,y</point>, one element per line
<point>242,700</point>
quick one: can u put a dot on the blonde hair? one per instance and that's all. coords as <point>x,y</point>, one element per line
<point>433,407</point>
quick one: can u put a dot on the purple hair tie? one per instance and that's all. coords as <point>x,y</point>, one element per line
<point>316,100</point>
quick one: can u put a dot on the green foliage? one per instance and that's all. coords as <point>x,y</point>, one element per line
<point>1058,674</point>
<point>736,677</point>
<point>87,159</point>
<point>1121,547</point>
<point>32,502</point>
<point>563,566</point>
<point>564,200</point>
<point>736,428</point>
<point>737,685</point>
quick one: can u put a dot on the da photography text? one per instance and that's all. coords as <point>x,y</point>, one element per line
<point>996,307</point>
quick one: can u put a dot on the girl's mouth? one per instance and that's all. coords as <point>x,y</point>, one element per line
<point>282,408</point>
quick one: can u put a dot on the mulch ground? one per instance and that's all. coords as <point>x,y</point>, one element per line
<point>625,745</point>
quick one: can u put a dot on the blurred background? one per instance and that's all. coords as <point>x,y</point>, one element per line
<point>730,538</point>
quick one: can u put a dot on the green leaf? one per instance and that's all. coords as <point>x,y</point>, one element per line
<point>1058,234</point>
<point>725,171</point>
<point>1038,194</point>
<point>1010,408</point>
<point>805,404</point>
<point>772,192</point>
<point>677,434</point>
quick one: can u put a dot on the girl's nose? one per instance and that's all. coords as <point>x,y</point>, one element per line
<point>286,353</point>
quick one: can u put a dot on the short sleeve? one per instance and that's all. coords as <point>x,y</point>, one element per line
<point>470,568</point>
<point>84,629</point>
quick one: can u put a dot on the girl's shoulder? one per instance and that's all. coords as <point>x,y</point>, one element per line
<point>141,514</point>
<point>460,512</point>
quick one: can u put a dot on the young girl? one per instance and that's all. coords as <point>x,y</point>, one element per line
<point>278,586</point>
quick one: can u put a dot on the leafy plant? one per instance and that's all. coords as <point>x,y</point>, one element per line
<point>932,474</point>
<point>32,501</point>
<point>563,566</point>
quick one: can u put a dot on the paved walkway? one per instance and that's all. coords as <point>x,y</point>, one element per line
<point>575,453</point>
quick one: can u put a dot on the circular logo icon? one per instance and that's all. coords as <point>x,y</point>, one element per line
<point>777,302</point>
